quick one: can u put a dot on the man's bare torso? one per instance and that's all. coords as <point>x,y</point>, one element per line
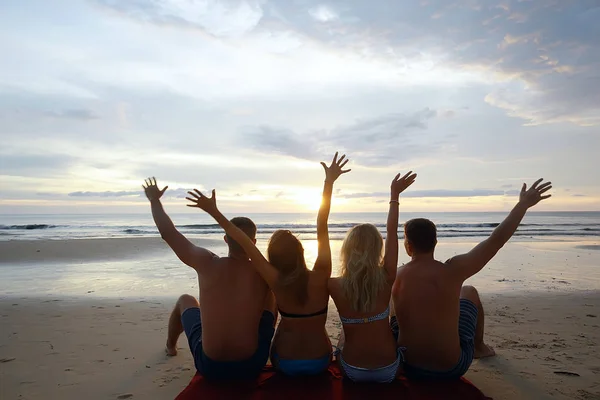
<point>232,298</point>
<point>426,299</point>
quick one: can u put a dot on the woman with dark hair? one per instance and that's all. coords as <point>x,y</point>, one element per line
<point>301,345</point>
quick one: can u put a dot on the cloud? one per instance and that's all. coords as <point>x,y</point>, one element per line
<point>40,165</point>
<point>48,194</point>
<point>513,192</point>
<point>280,140</point>
<point>219,18</point>
<point>174,193</point>
<point>77,114</point>
<point>226,92</point>
<point>544,56</point>
<point>108,193</point>
<point>323,13</point>
<point>379,141</point>
<point>430,193</point>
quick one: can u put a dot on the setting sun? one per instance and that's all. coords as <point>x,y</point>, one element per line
<point>309,199</point>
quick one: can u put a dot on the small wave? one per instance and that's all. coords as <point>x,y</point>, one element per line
<point>482,225</point>
<point>520,233</point>
<point>347,225</point>
<point>27,227</point>
<point>132,231</point>
<point>200,226</point>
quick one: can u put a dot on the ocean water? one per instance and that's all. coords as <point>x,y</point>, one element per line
<point>535,226</point>
<point>551,251</point>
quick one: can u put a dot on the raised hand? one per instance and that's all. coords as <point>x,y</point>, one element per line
<point>530,197</point>
<point>335,169</point>
<point>151,189</point>
<point>208,204</point>
<point>399,185</point>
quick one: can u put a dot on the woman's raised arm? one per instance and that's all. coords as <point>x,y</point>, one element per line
<point>323,262</point>
<point>209,205</point>
<point>390,259</point>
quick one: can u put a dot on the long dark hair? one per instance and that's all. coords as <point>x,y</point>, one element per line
<point>286,254</point>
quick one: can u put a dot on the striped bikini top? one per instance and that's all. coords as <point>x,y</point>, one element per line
<point>382,315</point>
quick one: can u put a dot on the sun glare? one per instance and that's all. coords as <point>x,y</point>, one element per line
<point>309,199</point>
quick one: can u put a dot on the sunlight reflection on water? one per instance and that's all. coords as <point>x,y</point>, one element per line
<point>519,266</point>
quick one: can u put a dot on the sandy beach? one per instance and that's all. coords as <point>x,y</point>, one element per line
<point>70,336</point>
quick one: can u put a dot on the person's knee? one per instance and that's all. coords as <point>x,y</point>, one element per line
<point>470,293</point>
<point>186,301</point>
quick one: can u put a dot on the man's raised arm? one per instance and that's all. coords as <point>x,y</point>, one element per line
<point>467,265</point>
<point>187,252</point>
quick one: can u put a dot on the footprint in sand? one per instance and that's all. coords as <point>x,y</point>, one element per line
<point>125,396</point>
<point>584,394</point>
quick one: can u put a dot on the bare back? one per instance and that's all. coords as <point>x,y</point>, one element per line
<point>232,298</point>
<point>369,345</point>
<point>426,298</point>
<point>427,293</point>
<point>305,337</point>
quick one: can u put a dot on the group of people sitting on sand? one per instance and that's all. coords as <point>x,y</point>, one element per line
<point>418,319</point>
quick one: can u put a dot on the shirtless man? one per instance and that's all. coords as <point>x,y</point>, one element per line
<point>232,338</point>
<point>440,321</point>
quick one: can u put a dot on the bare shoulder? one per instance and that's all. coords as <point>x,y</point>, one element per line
<point>454,263</point>
<point>400,270</point>
<point>404,269</point>
<point>450,261</point>
<point>231,265</point>
<point>207,265</point>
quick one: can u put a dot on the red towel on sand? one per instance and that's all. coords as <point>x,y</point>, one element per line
<point>271,385</point>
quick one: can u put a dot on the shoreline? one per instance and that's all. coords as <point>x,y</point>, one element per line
<point>104,348</point>
<point>139,267</point>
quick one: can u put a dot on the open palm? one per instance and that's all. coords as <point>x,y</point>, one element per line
<point>400,184</point>
<point>198,200</point>
<point>530,197</point>
<point>336,168</point>
<point>151,189</point>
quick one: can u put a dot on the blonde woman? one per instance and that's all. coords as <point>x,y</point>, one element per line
<point>301,345</point>
<point>368,350</point>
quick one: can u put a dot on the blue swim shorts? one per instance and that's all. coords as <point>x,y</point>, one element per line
<point>467,323</point>
<point>249,368</point>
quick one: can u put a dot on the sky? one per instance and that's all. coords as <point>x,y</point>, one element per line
<point>248,96</point>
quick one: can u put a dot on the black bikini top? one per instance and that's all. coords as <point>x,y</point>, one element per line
<point>290,315</point>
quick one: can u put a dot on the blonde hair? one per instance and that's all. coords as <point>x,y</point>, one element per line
<point>363,275</point>
<point>286,254</point>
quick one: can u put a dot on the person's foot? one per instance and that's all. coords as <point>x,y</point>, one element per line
<point>170,349</point>
<point>483,351</point>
